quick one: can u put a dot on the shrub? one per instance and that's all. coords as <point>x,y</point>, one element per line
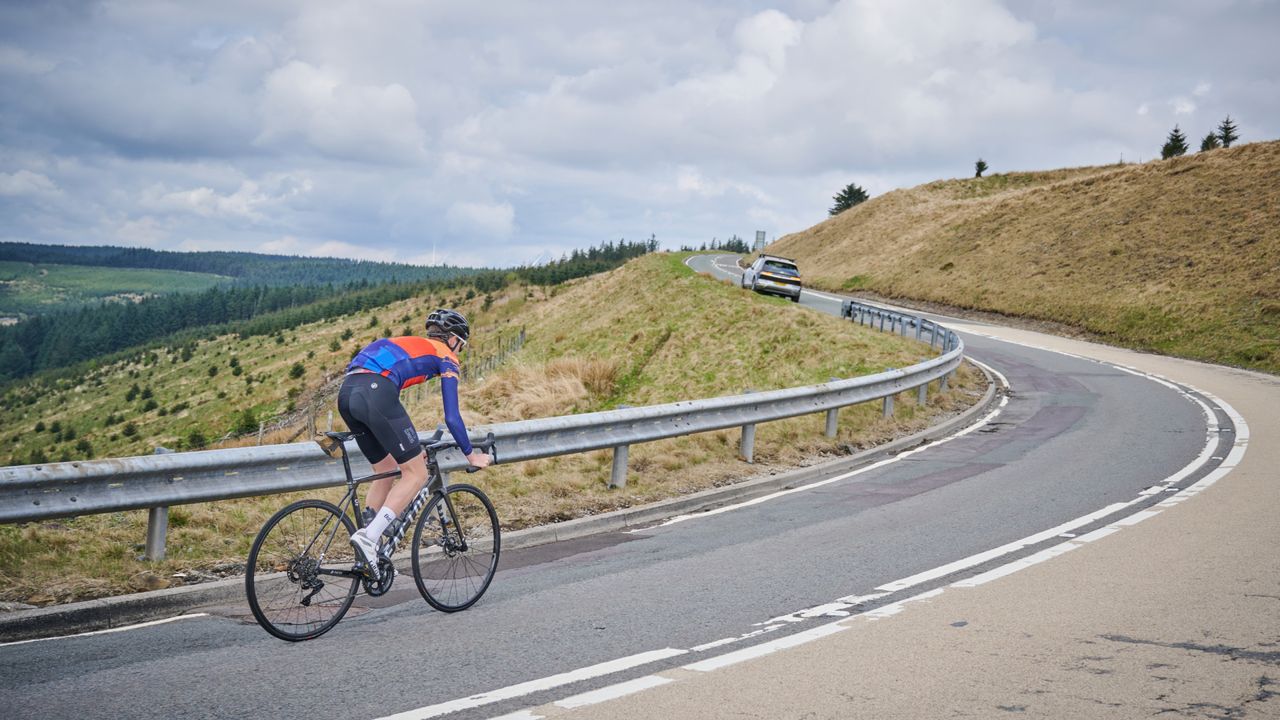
<point>297,370</point>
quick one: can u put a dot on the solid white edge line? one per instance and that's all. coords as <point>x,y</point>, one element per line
<point>1233,459</point>
<point>612,692</point>
<point>538,685</point>
<point>108,630</point>
<point>766,648</point>
<point>520,715</point>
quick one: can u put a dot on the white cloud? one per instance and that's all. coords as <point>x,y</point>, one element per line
<point>370,123</point>
<point>361,129</point>
<point>250,201</point>
<point>26,183</point>
<point>487,220</point>
<point>17,61</point>
<point>145,231</point>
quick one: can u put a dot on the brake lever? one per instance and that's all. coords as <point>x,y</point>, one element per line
<point>493,453</point>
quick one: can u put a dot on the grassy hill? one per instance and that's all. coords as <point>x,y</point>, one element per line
<point>648,332</point>
<point>38,288</point>
<point>1179,256</point>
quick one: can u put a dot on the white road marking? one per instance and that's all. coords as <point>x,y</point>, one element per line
<point>842,604</point>
<point>845,476</point>
<point>765,648</point>
<point>613,691</point>
<point>533,686</point>
<point>108,630</point>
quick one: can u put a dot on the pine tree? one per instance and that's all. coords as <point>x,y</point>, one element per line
<point>1210,142</point>
<point>979,167</point>
<point>1176,144</point>
<point>1227,132</point>
<point>851,195</point>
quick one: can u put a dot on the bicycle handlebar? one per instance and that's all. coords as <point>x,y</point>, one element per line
<point>489,445</point>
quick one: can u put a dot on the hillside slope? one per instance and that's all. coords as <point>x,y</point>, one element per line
<point>1179,256</point>
<point>648,332</point>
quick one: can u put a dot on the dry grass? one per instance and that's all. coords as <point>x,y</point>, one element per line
<point>1179,256</point>
<point>647,333</point>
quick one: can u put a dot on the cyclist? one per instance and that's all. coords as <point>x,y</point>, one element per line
<point>369,403</point>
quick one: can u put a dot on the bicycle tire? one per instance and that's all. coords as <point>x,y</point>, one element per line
<point>287,597</point>
<point>454,559</point>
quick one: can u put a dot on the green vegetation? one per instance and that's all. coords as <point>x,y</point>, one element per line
<point>1175,145</point>
<point>32,289</point>
<point>851,195</point>
<point>648,332</point>
<point>245,268</point>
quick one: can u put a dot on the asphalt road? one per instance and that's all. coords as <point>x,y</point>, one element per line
<point>1076,436</point>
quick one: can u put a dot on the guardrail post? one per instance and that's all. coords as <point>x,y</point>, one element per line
<point>618,478</point>
<point>922,395</point>
<point>919,328</point>
<point>747,444</point>
<point>833,418</point>
<point>888,406</point>
<point>942,385</point>
<point>157,525</point>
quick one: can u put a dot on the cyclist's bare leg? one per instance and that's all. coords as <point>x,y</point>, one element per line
<point>413,477</point>
<point>378,489</point>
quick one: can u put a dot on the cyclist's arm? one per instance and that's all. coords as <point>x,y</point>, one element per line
<point>452,418</point>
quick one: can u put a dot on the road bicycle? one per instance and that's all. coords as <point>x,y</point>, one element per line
<point>302,574</point>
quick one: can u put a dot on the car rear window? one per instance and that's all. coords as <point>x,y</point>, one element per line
<point>781,268</point>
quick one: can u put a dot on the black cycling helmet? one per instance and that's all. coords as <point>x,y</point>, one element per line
<point>450,322</point>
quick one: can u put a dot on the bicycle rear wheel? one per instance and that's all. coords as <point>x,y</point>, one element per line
<point>455,548</point>
<point>299,577</point>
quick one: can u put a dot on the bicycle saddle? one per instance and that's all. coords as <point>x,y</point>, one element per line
<point>332,442</point>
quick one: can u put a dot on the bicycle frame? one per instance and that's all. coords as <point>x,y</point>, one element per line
<point>435,485</point>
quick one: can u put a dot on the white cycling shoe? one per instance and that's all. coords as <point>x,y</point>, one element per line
<point>366,552</point>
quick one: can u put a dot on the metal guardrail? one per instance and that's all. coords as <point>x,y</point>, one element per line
<point>40,492</point>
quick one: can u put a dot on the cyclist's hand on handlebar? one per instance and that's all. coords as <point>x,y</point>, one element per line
<point>479,459</point>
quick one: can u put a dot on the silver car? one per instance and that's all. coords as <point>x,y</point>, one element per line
<point>773,274</point>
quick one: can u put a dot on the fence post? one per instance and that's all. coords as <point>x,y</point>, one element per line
<point>330,421</point>
<point>747,444</point>
<point>262,426</point>
<point>157,525</point>
<point>833,418</point>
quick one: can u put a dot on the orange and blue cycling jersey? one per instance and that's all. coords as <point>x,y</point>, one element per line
<point>409,360</point>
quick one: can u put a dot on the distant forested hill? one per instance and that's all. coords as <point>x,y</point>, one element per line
<point>245,268</point>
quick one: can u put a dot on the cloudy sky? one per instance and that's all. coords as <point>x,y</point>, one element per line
<point>495,133</point>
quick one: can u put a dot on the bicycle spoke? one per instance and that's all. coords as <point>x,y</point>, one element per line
<point>449,577</point>
<point>287,593</point>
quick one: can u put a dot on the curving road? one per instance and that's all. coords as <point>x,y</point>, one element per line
<point>1079,447</point>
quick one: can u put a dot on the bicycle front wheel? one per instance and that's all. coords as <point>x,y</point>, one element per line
<point>455,548</point>
<point>299,577</point>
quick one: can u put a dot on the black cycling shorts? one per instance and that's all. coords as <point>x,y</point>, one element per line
<point>370,405</point>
